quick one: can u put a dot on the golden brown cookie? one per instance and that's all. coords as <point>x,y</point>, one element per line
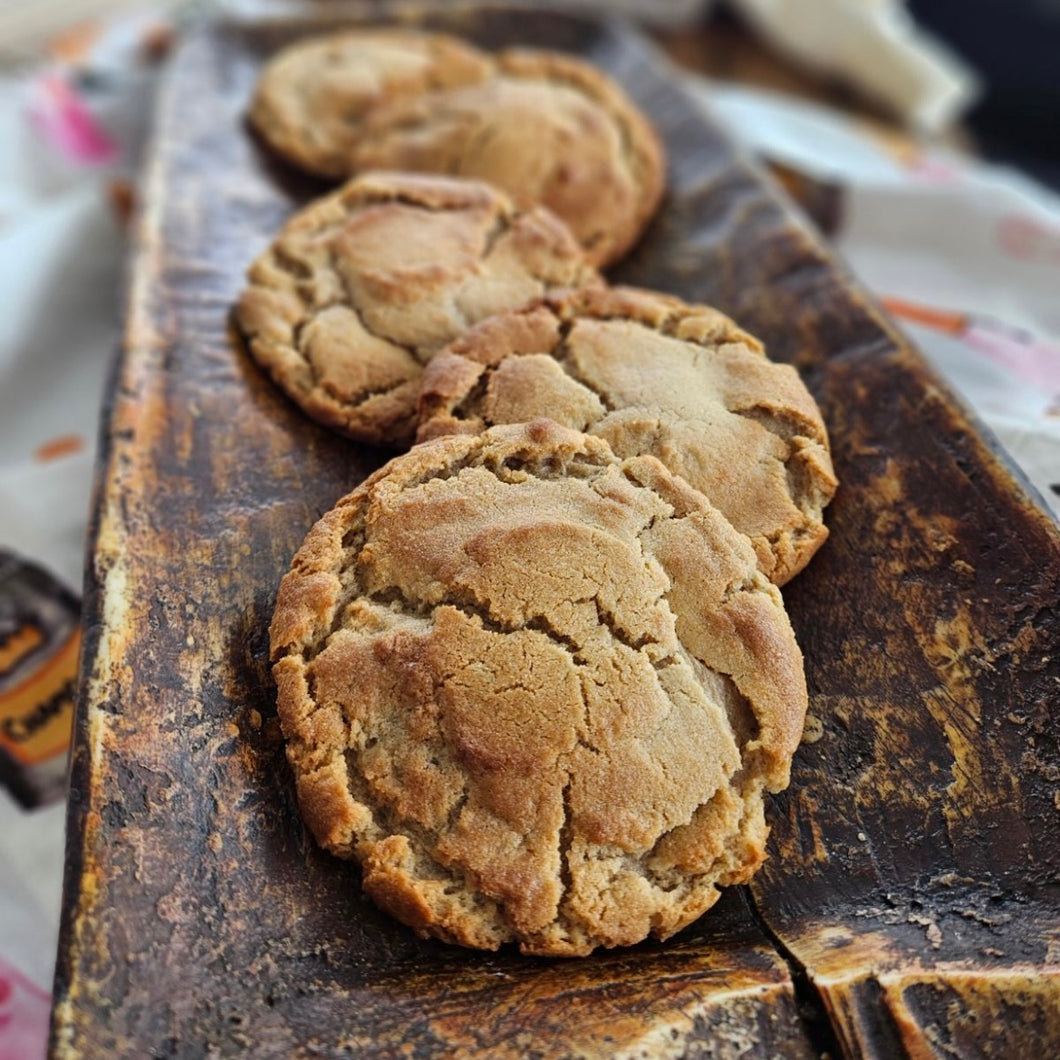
<point>546,128</point>
<point>312,96</point>
<point>361,288</point>
<point>536,691</point>
<point>652,374</point>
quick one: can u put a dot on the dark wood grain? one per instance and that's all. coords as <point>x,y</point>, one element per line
<point>910,903</point>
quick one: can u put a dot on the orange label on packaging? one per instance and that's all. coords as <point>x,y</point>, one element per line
<point>37,715</point>
<point>15,648</point>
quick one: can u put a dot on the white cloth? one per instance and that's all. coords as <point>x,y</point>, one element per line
<point>972,248</point>
<point>873,45</point>
<point>59,266</point>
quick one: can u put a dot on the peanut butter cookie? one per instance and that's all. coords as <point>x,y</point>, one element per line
<point>536,690</point>
<point>652,374</point>
<point>361,288</point>
<point>312,97</point>
<point>545,128</point>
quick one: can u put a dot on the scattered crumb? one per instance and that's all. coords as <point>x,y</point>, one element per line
<point>951,879</point>
<point>813,729</point>
<point>932,930</point>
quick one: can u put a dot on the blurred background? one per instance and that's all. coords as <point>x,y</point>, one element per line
<point>922,139</point>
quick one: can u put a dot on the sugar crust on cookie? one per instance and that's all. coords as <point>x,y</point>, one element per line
<point>312,96</point>
<point>545,128</point>
<point>652,374</point>
<point>536,690</point>
<point>360,289</point>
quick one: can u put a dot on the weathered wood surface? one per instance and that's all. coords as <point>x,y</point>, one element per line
<point>910,907</point>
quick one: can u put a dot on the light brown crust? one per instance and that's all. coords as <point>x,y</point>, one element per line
<point>536,691</point>
<point>361,288</point>
<point>546,128</point>
<point>312,96</point>
<point>652,374</point>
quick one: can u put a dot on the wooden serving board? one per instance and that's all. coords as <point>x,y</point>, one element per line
<point>910,905</point>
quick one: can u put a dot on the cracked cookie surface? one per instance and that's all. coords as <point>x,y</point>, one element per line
<point>651,374</point>
<point>536,690</point>
<point>312,96</point>
<point>361,288</point>
<point>545,128</point>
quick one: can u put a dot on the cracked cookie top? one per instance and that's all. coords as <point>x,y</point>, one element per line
<point>312,97</point>
<point>545,128</point>
<point>652,374</point>
<point>536,690</point>
<point>361,288</point>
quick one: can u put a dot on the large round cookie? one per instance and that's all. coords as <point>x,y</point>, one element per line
<point>652,374</point>
<point>312,97</point>
<point>536,691</point>
<point>546,128</point>
<point>361,288</point>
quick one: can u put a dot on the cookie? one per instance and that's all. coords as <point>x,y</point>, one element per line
<point>546,128</point>
<point>361,288</point>
<point>536,690</point>
<point>312,97</point>
<point>652,374</point>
